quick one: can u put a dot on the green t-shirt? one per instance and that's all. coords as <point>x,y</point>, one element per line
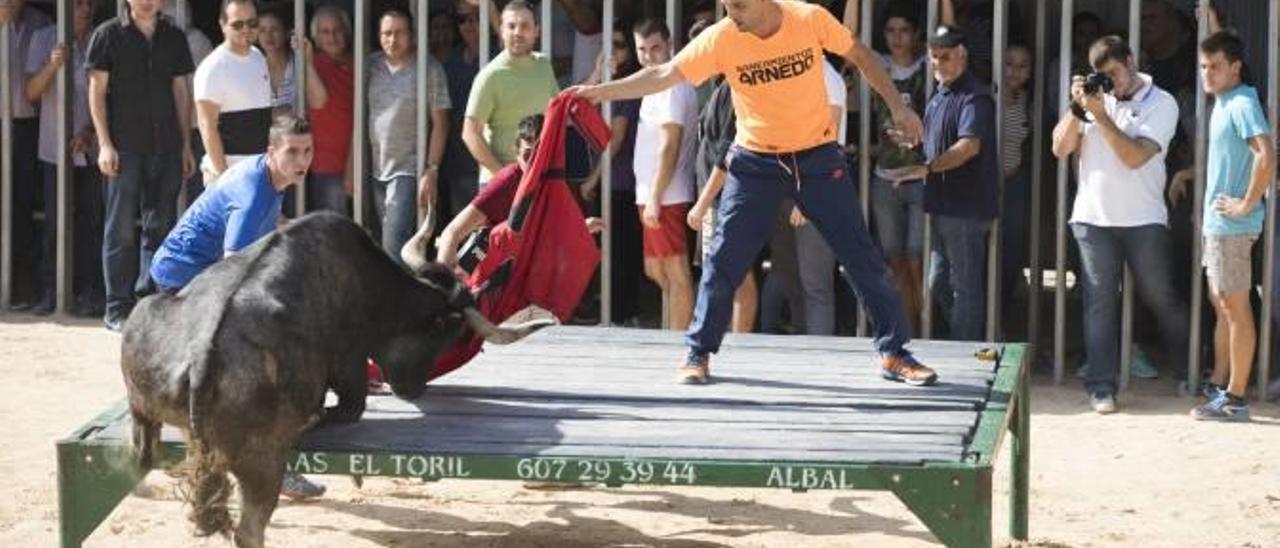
<point>504,92</point>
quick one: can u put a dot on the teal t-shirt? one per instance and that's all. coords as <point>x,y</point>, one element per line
<point>1237,117</point>
<point>503,93</point>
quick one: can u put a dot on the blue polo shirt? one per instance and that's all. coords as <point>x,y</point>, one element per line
<point>962,109</point>
<point>1237,117</point>
<point>241,208</point>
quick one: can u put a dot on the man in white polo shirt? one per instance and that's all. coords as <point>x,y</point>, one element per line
<point>1121,136</point>
<point>233,93</point>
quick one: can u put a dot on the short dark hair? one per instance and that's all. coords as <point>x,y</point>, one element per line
<point>1230,46</point>
<point>530,128</point>
<point>1109,48</point>
<point>286,124</point>
<point>222,8</point>
<point>901,11</point>
<point>652,26</point>
<point>525,5</point>
<point>397,12</point>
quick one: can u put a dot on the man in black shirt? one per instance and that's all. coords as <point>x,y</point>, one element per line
<point>140,104</point>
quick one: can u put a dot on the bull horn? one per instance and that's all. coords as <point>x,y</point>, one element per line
<point>501,335</point>
<point>414,251</point>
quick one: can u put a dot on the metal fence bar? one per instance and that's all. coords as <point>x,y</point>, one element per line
<point>66,170</point>
<point>1060,244</point>
<point>6,170</point>
<point>1265,324</point>
<point>1197,281</point>
<point>422,42</point>
<point>999,31</point>
<point>606,173</point>
<point>674,20</point>
<point>484,28</point>
<point>1035,286</point>
<point>926,298</point>
<point>1127,292</point>
<point>359,137</point>
<point>300,101</point>
<point>865,21</point>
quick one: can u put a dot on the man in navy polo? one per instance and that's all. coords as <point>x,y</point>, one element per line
<point>960,183</point>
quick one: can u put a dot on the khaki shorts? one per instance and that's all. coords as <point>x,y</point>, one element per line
<point>1227,263</point>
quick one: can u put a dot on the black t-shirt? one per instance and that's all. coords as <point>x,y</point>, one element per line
<point>141,112</point>
<point>962,109</point>
<point>716,131</point>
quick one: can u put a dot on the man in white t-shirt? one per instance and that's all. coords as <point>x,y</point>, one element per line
<point>664,155</point>
<point>1121,137</point>
<point>233,93</point>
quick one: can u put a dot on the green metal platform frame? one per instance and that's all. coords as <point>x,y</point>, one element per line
<point>952,499</point>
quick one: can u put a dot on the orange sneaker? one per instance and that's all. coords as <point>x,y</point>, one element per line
<point>906,369</point>
<point>696,369</point>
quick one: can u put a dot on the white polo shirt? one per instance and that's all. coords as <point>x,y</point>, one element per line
<point>675,105</point>
<point>1110,193</point>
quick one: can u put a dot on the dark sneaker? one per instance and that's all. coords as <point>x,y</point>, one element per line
<point>1211,391</point>
<point>1226,407</point>
<point>297,487</point>
<point>114,323</point>
<point>905,369</point>
<point>1102,404</point>
<point>696,369</point>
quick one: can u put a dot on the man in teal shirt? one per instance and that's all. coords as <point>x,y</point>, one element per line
<point>1241,166</point>
<point>519,82</point>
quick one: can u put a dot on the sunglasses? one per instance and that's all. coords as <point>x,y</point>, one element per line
<point>243,24</point>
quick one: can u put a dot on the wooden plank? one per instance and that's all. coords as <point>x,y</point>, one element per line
<point>726,393</point>
<point>614,335</point>
<point>552,356</point>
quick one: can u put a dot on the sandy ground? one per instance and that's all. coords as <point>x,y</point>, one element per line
<point>1146,477</point>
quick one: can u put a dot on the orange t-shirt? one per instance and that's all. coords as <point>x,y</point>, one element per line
<point>778,91</point>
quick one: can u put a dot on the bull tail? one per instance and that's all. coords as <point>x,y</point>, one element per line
<point>205,487</point>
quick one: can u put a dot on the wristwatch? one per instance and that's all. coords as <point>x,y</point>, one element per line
<point>431,167</point>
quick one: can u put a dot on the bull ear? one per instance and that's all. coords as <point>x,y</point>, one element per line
<point>414,252</point>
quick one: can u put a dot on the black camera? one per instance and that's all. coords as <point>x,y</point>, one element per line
<point>1093,82</point>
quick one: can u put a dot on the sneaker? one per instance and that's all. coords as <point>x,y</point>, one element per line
<point>1082,372</point>
<point>113,322</point>
<point>1226,407</point>
<point>696,368</point>
<point>297,487</point>
<point>1102,404</point>
<point>906,369</point>
<point>1211,391</point>
<point>1141,366</point>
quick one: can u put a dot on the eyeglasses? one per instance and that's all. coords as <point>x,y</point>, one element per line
<point>243,24</point>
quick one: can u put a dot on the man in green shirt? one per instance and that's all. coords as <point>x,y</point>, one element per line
<point>517,83</point>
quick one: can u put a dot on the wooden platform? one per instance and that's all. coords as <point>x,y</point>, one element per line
<point>602,405</point>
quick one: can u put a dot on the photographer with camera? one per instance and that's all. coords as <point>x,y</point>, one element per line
<point>1119,125</point>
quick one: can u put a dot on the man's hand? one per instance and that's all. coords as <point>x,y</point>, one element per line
<point>590,93</point>
<point>696,216</point>
<point>427,188</point>
<point>83,140</point>
<point>797,218</point>
<point>188,163</point>
<point>595,225</point>
<point>1180,185</point>
<point>109,161</point>
<point>909,126</point>
<point>1232,207</point>
<point>57,56</point>
<point>649,217</point>
<point>909,173</point>
<point>588,187</point>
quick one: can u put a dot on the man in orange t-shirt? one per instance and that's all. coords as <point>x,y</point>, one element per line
<point>771,53</point>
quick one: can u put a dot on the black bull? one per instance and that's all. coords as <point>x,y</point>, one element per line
<point>241,358</point>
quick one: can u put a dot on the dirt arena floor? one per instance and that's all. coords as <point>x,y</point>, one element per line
<point>1148,477</point>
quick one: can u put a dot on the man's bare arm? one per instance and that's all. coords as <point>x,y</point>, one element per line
<point>473,137</point>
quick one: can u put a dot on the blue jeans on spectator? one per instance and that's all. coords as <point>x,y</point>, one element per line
<point>818,179</point>
<point>396,202</point>
<point>781,288</point>
<point>1103,253</point>
<point>193,187</point>
<point>956,270</point>
<point>146,188</point>
<point>817,280</point>
<point>899,217</point>
<point>86,212</point>
<point>325,193</point>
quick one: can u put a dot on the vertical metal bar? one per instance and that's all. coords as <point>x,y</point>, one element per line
<point>545,21</point>
<point>674,20</point>
<point>422,42</point>
<point>719,10</point>
<point>359,112</point>
<point>1265,324</point>
<point>485,30</point>
<point>1127,293</point>
<point>1197,281</point>
<point>65,185</point>
<point>999,27</point>
<point>180,11</point>
<point>867,9</point>
<point>606,175</point>
<point>1060,244</point>
<point>926,297</point>
<point>1035,287</point>
<point>6,170</point>
<point>300,101</point>
<point>1020,468</point>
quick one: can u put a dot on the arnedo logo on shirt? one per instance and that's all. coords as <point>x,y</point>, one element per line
<point>778,68</point>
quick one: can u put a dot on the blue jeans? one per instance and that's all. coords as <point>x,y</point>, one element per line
<point>818,179</point>
<point>817,280</point>
<point>325,193</point>
<point>396,201</point>
<point>899,216</point>
<point>1103,254</point>
<point>86,212</point>
<point>146,188</point>
<point>956,270</point>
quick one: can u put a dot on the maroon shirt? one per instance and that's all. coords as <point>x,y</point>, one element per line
<point>495,199</point>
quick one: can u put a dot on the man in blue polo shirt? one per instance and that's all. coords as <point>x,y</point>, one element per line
<point>960,183</point>
<point>243,207</point>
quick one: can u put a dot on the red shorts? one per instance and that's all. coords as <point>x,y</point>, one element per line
<point>669,238</point>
